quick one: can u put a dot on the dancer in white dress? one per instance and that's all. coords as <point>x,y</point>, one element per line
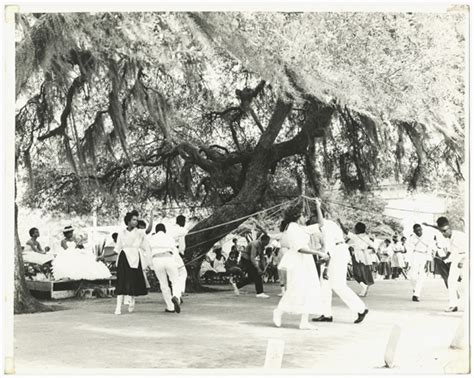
<point>302,295</point>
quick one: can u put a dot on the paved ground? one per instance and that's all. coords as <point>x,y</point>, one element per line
<point>221,331</point>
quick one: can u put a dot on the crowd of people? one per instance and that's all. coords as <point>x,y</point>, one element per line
<point>311,257</point>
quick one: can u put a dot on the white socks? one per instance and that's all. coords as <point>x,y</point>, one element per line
<point>365,288</point>
<point>131,304</point>
<point>118,308</point>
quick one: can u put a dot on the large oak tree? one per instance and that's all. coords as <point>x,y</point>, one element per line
<point>225,108</point>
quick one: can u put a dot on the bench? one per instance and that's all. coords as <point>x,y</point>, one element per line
<point>62,289</point>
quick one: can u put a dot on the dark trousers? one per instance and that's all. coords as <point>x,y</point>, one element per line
<point>252,276</point>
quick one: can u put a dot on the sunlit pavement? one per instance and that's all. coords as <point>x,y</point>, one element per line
<point>222,331</point>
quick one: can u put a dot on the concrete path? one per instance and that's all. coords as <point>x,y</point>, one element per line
<point>222,331</point>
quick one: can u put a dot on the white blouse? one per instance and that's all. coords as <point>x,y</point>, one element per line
<point>131,242</point>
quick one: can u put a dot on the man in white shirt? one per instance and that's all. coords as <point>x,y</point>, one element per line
<point>179,232</point>
<point>162,248</point>
<point>334,245</point>
<point>421,248</point>
<point>456,246</point>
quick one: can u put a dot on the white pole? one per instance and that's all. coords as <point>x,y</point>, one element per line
<point>94,230</point>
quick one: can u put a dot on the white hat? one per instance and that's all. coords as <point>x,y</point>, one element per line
<point>68,228</point>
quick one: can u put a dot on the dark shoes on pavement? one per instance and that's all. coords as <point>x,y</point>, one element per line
<point>323,318</point>
<point>361,316</point>
<point>452,309</point>
<point>175,301</point>
<point>166,310</point>
<point>415,298</point>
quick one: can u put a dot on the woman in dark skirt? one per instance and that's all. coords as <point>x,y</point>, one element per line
<point>361,257</point>
<point>130,277</point>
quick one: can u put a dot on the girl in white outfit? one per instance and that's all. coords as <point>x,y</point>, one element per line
<point>302,295</point>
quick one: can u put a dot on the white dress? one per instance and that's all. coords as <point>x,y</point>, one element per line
<point>303,291</point>
<point>30,256</point>
<point>78,264</point>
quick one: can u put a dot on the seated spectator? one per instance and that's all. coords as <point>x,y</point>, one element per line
<point>219,260</point>
<point>70,241</point>
<point>33,252</point>
<point>33,244</point>
<point>232,266</point>
<point>207,271</point>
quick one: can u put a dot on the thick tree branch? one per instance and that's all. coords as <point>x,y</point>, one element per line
<point>282,109</point>
<point>77,84</point>
<point>317,121</point>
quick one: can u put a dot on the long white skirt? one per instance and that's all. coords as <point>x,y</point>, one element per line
<point>398,260</point>
<point>303,290</point>
<point>77,264</point>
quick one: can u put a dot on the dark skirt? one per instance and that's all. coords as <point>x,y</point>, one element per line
<point>130,281</point>
<point>442,268</point>
<point>385,269</point>
<point>362,273</point>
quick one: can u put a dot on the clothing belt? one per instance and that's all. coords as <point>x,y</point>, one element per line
<point>338,243</point>
<point>162,254</point>
<point>424,252</point>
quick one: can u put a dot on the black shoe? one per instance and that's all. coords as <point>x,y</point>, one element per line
<point>166,310</point>
<point>415,298</point>
<point>361,316</point>
<point>322,318</point>
<point>452,309</point>
<point>181,301</point>
<point>175,301</point>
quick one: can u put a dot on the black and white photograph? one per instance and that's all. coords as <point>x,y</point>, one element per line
<point>247,190</point>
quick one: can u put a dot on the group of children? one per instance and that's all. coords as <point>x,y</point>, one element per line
<point>217,267</point>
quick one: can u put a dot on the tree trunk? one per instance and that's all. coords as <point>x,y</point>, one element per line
<point>23,302</point>
<point>247,201</point>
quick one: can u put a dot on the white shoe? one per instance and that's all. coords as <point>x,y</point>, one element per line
<point>308,326</point>
<point>262,295</point>
<point>117,311</point>
<point>281,294</point>
<point>236,289</point>
<point>131,308</point>
<point>277,317</point>
<point>126,300</point>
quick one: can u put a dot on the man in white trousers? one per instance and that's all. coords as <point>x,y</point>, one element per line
<point>456,245</point>
<point>421,249</point>
<point>337,272</point>
<point>162,248</point>
<point>179,234</point>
